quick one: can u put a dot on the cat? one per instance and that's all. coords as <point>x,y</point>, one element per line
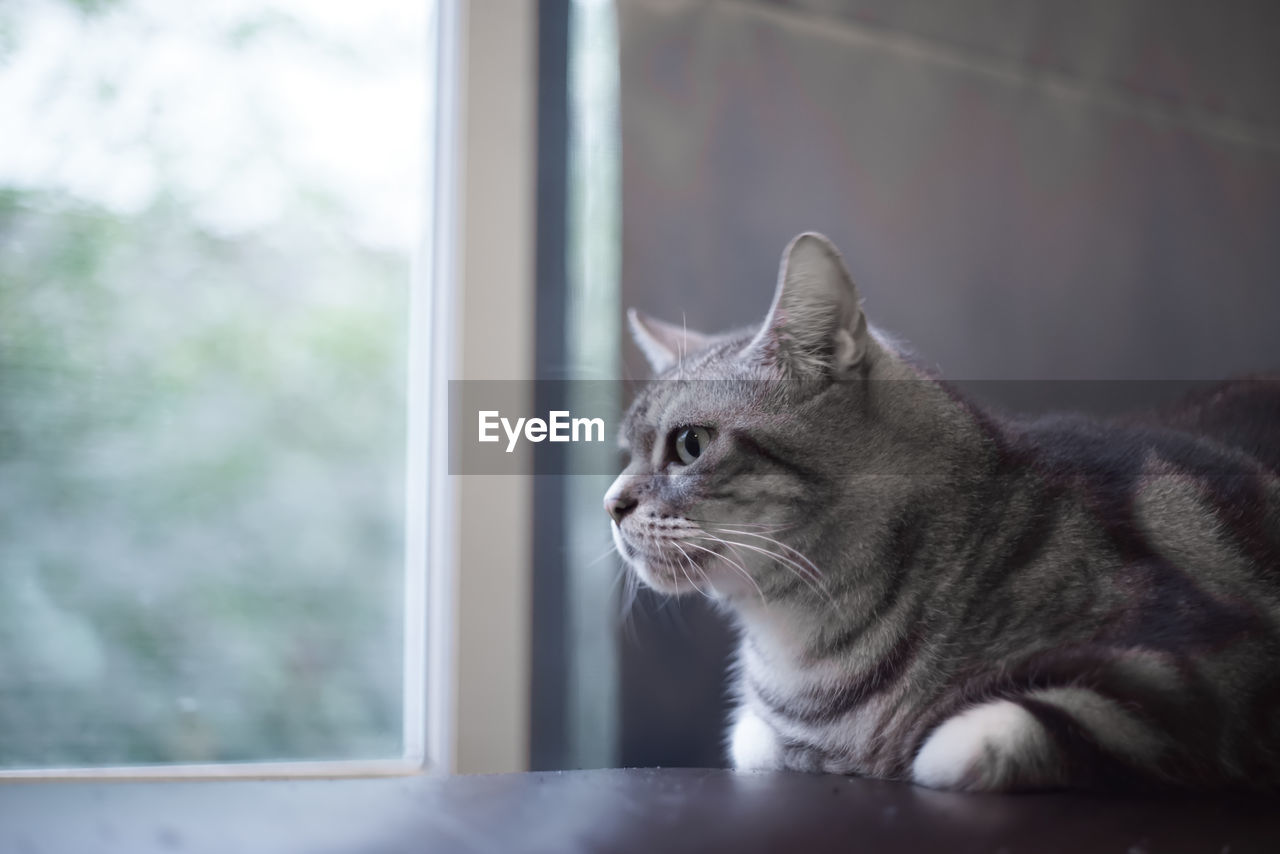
<point>930,592</point>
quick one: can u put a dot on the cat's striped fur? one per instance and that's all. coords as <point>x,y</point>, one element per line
<point>929,592</point>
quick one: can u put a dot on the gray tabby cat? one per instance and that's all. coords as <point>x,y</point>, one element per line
<point>929,592</point>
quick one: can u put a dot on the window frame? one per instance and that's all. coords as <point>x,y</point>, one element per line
<point>466,667</point>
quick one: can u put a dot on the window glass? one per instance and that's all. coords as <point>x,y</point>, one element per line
<point>206,219</point>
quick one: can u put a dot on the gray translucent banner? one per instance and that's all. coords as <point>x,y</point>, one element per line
<point>564,427</point>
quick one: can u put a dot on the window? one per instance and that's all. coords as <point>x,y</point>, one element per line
<point>208,215</point>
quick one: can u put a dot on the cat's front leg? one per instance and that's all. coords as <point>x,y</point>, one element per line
<point>753,744</point>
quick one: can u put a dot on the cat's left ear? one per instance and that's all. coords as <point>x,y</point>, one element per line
<point>663,344</point>
<point>815,327</point>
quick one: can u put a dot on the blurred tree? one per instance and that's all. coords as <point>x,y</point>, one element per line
<point>201,465</point>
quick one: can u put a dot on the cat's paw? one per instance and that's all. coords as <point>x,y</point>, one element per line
<point>753,745</point>
<point>997,746</point>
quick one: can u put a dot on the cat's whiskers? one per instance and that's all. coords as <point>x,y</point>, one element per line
<point>695,569</point>
<point>798,570</point>
<point>817,573</point>
<point>613,549</point>
<point>626,601</point>
<point>701,573</point>
<point>627,579</point>
<point>739,567</point>
<point>631,590</point>
<point>772,529</point>
<point>684,343</point>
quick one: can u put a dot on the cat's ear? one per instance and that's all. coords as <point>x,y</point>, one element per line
<point>663,344</point>
<point>815,327</point>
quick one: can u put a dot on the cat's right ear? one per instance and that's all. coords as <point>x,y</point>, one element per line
<point>663,344</point>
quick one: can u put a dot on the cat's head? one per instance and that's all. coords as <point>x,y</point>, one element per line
<point>734,446</point>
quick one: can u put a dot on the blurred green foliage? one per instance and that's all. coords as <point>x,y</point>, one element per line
<point>201,485</point>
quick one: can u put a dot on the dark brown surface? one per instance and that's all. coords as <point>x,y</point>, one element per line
<point>671,810</point>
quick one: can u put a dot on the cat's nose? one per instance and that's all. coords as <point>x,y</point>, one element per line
<point>618,506</point>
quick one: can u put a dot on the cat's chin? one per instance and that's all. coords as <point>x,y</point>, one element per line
<point>708,579</point>
<point>668,567</point>
<point>667,578</point>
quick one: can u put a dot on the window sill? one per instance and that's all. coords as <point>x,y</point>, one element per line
<point>614,810</point>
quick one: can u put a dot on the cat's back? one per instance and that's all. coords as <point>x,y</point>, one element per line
<point>1230,429</point>
<point>1241,414</point>
<point>1191,488</point>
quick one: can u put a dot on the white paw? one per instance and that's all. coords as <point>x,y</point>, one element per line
<point>753,745</point>
<point>997,746</point>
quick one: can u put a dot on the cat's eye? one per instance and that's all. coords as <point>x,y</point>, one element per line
<point>691,442</point>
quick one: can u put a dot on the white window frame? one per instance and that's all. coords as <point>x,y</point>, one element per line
<point>480,688</point>
<point>467,605</point>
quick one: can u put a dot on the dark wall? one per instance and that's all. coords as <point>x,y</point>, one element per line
<point>1023,190</point>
